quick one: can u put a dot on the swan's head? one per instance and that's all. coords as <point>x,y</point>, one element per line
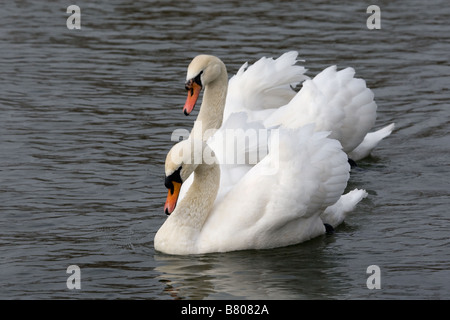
<point>181,162</point>
<point>202,70</point>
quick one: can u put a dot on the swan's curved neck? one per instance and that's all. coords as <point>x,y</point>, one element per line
<point>181,229</point>
<point>210,115</point>
<point>200,197</point>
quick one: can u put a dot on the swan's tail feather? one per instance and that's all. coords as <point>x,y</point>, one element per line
<point>370,141</point>
<point>335,214</point>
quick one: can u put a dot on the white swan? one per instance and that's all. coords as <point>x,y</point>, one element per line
<point>334,100</point>
<point>261,96</point>
<point>262,210</point>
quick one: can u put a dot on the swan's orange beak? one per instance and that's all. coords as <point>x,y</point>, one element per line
<point>193,88</point>
<point>172,197</point>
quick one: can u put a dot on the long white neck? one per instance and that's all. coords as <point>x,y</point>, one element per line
<point>210,115</point>
<point>180,231</point>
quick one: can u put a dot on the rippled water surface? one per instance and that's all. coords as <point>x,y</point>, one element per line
<point>85,123</point>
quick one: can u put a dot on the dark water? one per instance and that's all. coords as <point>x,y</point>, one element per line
<point>86,118</point>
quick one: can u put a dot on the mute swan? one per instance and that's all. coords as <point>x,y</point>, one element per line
<point>261,96</point>
<point>262,210</point>
<point>333,100</point>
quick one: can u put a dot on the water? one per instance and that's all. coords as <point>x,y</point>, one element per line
<point>86,118</point>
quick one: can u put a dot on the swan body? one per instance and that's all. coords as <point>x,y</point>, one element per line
<point>262,210</point>
<point>333,100</point>
<point>261,96</point>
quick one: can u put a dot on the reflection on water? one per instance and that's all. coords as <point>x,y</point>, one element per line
<point>284,273</point>
<point>86,120</point>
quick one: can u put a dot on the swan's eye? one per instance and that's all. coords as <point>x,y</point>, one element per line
<point>198,80</point>
<point>168,184</point>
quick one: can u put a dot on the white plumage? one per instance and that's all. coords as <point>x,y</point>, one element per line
<point>309,173</point>
<point>288,195</point>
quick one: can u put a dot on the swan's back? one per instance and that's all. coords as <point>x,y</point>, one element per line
<point>334,101</point>
<point>266,84</point>
<point>279,201</point>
